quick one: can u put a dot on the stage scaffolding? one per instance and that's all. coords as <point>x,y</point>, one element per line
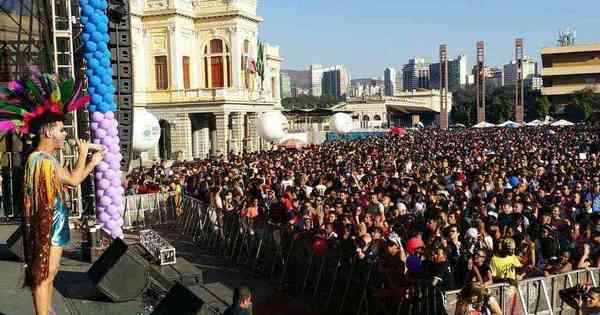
<point>37,33</point>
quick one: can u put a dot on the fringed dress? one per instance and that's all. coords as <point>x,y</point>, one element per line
<point>46,219</point>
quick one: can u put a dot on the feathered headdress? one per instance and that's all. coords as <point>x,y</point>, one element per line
<point>26,101</point>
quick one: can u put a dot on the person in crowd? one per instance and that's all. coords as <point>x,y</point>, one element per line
<point>475,299</point>
<point>242,302</point>
<point>585,301</point>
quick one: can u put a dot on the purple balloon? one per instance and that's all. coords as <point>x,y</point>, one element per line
<point>94,126</point>
<point>100,209</point>
<point>115,164</point>
<point>112,209</point>
<point>104,217</point>
<point>121,190</point>
<point>104,183</point>
<point>120,221</point>
<point>107,141</point>
<point>97,141</point>
<point>105,201</point>
<point>114,148</point>
<point>106,124</point>
<point>100,192</point>
<point>115,182</point>
<point>117,200</point>
<point>115,217</point>
<point>109,115</point>
<point>111,225</point>
<point>99,175</point>
<point>101,133</point>
<point>102,166</point>
<point>97,116</point>
<point>109,174</point>
<point>120,156</point>
<point>112,132</point>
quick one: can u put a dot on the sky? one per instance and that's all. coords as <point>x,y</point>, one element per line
<point>369,35</point>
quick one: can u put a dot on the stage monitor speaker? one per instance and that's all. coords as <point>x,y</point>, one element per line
<point>179,300</point>
<point>15,243</point>
<point>120,273</point>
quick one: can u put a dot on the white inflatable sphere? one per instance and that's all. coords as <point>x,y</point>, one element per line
<point>341,123</point>
<point>272,126</point>
<point>146,130</point>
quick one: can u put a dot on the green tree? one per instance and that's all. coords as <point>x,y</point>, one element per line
<point>463,106</point>
<point>537,106</point>
<point>500,105</point>
<point>583,105</point>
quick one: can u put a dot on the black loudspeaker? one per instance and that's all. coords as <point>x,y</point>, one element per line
<point>120,273</point>
<point>15,243</point>
<point>180,300</point>
<point>119,29</point>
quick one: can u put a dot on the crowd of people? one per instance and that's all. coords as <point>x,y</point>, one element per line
<point>455,207</point>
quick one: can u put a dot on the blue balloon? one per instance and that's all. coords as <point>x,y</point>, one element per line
<point>93,62</point>
<point>107,80</point>
<point>87,10</point>
<point>89,27</point>
<point>95,81</point>
<point>88,56</point>
<point>85,37</point>
<point>106,37</point>
<point>92,108</point>
<point>102,27</point>
<point>105,62</point>
<point>97,37</point>
<point>96,99</point>
<point>83,19</point>
<point>90,47</point>
<point>98,54</point>
<point>103,108</point>
<point>102,89</point>
<point>103,4</point>
<point>108,98</point>
<point>83,2</point>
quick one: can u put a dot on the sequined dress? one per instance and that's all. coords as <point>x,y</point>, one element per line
<point>46,219</point>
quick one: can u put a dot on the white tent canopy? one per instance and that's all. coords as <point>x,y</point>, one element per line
<point>562,122</point>
<point>536,122</point>
<point>484,124</point>
<point>509,124</point>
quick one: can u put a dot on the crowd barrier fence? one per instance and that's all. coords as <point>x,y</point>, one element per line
<point>332,278</point>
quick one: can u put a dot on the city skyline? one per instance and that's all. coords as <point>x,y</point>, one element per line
<point>368,38</point>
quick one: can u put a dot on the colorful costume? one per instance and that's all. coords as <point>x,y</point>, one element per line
<point>27,104</point>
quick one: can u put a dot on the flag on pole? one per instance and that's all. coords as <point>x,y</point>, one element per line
<point>260,63</point>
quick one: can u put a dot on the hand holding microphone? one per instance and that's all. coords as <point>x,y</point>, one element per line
<point>84,146</point>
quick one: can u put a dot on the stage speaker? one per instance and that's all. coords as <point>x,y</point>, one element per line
<point>15,243</point>
<point>120,273</point>
<point>179,300</point>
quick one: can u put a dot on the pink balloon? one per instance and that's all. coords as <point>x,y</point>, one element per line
<point>115,164</point>
<point>117,200</point>
<point>109,174</point>
<point>121,190</point>
<point>94,126</point>
<point>100,209</point>
<point>111,209</point>
<point>104,183</point>
<point>112,132</point>
<point>109,115</point>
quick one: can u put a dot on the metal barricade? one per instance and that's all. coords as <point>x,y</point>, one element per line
<point>333,283</point>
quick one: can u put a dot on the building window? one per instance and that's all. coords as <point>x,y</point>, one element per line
<point>186,72</point>
<point>161,72</point>
<point>217,65</point>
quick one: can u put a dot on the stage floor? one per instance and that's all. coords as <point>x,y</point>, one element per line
<point>76,295</point>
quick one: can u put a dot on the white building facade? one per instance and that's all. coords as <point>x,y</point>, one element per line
<point>194,68</point>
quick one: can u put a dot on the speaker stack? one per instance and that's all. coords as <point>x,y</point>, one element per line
<point>119,29</point>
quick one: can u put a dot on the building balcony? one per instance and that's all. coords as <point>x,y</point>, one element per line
<point>211,96</point>
<point>569,89</point>
<point>575,70</point>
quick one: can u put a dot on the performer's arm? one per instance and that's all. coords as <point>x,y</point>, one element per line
<point>81,170</point>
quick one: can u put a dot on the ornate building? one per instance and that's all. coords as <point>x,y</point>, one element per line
<point>194,67</point>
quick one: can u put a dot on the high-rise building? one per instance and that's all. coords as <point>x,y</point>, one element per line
<point>389,78</point>
<point>399,86</point>
<point>286,85</point>
<point>510,71</point>
<point>569,69</point>
<point>335,82</point>
<point>457,73</point>
<point>415,75</point>
<point>316,77</point>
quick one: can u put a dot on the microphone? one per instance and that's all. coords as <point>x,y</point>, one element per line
<point>92,146</point>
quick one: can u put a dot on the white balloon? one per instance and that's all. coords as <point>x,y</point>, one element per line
<point>146,130</point>
<point>272,126</point>
<point>341,123</point>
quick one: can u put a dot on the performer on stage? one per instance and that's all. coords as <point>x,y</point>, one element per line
<point>35,107</point>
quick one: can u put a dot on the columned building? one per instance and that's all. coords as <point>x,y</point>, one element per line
<point>195,69</point>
